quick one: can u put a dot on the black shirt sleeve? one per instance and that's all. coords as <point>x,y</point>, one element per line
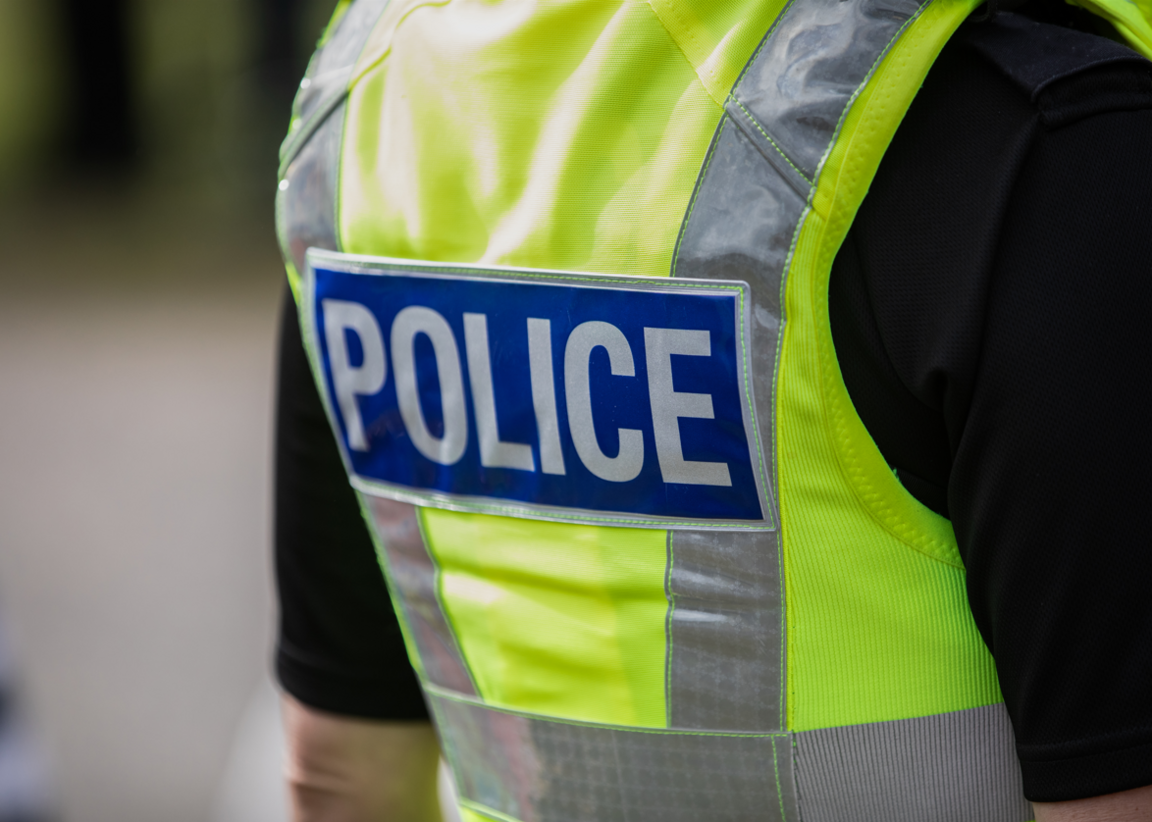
<point>990,310</point>
<point>340,647</point>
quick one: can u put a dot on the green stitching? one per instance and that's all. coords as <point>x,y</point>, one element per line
<point>657,282</point>
<point>779,793</point>
<point>867,77</point>
<point>782,719</point>
<point>464,699</point>
<point>668,631</point>
<point>752,411</point>
<point>779,151</point>
<point>795,782</point>
<point>381,489</point>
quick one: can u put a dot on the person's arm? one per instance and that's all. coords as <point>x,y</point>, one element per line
<point>1127,806</point>
<point>344,769</point>
<point>361,747</point>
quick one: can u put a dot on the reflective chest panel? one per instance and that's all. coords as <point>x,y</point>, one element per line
<point>648,562</point>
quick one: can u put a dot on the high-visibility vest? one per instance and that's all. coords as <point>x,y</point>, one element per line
<point>814,660</point>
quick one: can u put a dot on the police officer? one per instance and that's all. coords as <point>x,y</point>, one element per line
<point>705,485</point>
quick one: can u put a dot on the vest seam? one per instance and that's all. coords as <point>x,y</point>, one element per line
<point>427,501</point>
<point>296,142</point>
<point>776,771</point>
<point>359,71</point>
<point>669,642</point>
<point>796,778</point>
<point>810,181</point>
<point>337,232</point>
<point>464,699</point>
<point>676,40</point>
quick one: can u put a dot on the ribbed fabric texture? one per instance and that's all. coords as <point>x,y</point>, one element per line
<point>956,767</point>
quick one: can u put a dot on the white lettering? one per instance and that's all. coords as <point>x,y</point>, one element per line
<point>365,379</point>
<point>668,405</point>
<point>627,463</point>
<point>544,395</point>
<point>413,320</point>
<point>494,453</point>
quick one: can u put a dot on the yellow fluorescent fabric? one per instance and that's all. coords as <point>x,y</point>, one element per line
<point>565,135</point>
<point>538,606</point>
<point>878,621</point>
<point>1132,18</point>
<point>717,37</point>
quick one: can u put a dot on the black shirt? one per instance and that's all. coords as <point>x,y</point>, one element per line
<point>990,309</point>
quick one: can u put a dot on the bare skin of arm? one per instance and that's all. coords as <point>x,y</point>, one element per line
<point>342,769</point>
<point>1127,806</point>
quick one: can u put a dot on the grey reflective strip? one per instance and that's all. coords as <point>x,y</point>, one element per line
<point>326,81</point>
<point>780,121</point>
<point>955,767</point>
<point>796,90</point>
<point>726,603</point>
<point>725,639</point>
<point>536,770</point>
<point>740,227</point>
<point>415,576</point>
<point>306,202</point>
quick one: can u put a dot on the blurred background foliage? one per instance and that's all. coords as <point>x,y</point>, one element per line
<point>140,286</point>
<point>165,93</point>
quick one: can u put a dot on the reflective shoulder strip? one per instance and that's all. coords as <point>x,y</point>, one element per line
<point>325,83</point>
<point>306,199</point>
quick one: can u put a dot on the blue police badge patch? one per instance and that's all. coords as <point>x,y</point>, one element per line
<point>612,400</point>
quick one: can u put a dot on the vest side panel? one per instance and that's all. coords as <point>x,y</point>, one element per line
<point>878,621</point>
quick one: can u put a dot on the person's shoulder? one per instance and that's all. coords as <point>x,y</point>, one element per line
<point>1065,74</point>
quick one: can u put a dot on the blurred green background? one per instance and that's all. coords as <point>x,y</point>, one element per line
<point>207,84</point>
<point>140,287</point>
